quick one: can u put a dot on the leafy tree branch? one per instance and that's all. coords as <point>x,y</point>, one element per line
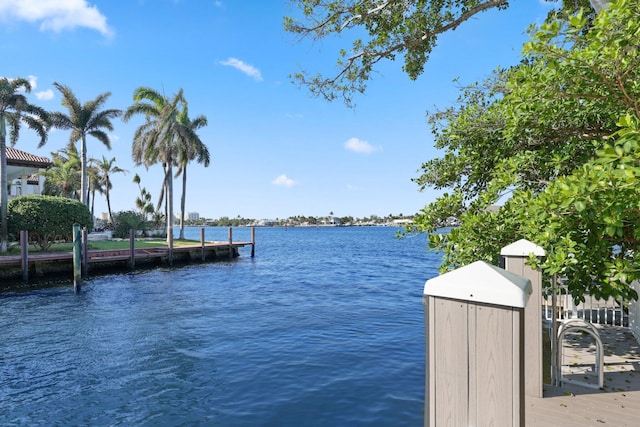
<point>390,27</point>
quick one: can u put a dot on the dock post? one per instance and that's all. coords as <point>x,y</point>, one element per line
<point>24,252</point>
<point>230,243</point>
<point>202,241</point>
<point>85,253</point>
<point>132,248</point>
<point>474,352</point>
<point>253,242</point>
<point>516,256</point>
<point>170,245</point>
<point>77,250</point>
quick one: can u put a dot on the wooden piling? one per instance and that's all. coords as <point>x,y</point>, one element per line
<point>24,254</point>
<point>85,253</point>
<point>77,250</point>
<point>253,242</point>
<point>132,248</point>
<point>202,241</point>
<point>230,243</point>
<point>170,245</point>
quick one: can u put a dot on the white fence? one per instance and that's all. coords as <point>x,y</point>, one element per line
<point>596,311</point>
<point>634,313</point>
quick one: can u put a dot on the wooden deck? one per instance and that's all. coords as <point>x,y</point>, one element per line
<point>57,262</point>
<point>617,404</point>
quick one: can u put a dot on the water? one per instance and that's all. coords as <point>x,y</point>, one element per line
<point>324,327</point>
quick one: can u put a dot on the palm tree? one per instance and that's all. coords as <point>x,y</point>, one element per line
<point>83,120</point>
<point>188,150</point>
<point>144,201</point>
<point>62,178</point>
<point>107,169</point>
<point>15,110</point>
<point>94,181</point>
<point>156,141</point>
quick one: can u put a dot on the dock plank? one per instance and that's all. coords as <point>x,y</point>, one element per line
<point>618,404</point>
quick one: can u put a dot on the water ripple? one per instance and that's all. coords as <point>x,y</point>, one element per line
<point>323,327</point>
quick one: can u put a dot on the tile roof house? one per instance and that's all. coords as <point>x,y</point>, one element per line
<point>23,172</point>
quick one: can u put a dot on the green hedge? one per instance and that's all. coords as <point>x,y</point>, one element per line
<point>127,220</point>
<point>46,218</point>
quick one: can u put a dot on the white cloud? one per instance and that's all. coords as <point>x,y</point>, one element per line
<point>55,15</point>
<point>33,81</point>
<point>360,146</point>
<point>284,181</point>
<point>243,67</point>
<point>45,95</point>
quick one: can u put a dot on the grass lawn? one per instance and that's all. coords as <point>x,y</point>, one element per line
<point>107,245</point>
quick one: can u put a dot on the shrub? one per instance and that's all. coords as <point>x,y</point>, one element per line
<point>126,220</point>
<point>46,218</point>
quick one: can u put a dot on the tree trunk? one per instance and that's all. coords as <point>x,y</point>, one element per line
<point>93,205</point>
<point>4,191</point>
<point>182,201</point>
<point>106,193</point>
<point>83,160</point>
<point>169,204</point>
<point>161,197</point>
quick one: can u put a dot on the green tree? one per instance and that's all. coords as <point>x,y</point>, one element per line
<point>83,120</point>
<point>143,202</point>
<point>382,30</point>
<point>107,168</point>
<point>126,221</point>
<point>62,178</point>
<point>157,140</point>
<point>556,139</point>
<point>15,111</point>
<point>189,150</point>
<point>590,220</point>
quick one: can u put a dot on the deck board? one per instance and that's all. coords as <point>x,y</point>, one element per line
<point>618,404</point>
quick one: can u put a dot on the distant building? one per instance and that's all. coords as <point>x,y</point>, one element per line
<point>24,172</point>
<point>402,221</point>
<point>188,216</point>
<point>330,220</point>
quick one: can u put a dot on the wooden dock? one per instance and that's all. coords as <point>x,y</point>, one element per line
<point>45,265</point>
<point>617,404</point>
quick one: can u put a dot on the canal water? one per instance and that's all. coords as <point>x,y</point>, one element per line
<point>324,327</point>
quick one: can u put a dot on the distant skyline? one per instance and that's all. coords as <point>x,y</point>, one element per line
<point>275,151</point>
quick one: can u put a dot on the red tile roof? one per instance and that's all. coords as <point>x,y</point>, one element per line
<point>17,157</point>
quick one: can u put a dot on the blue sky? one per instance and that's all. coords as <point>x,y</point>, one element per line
<point>275,150</point>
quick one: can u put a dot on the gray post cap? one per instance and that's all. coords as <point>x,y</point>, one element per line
<point>522,248</point>
<point>481,282</point>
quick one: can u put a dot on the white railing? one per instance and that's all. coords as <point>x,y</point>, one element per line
<point>634,313</point>
<point>596,311</point>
